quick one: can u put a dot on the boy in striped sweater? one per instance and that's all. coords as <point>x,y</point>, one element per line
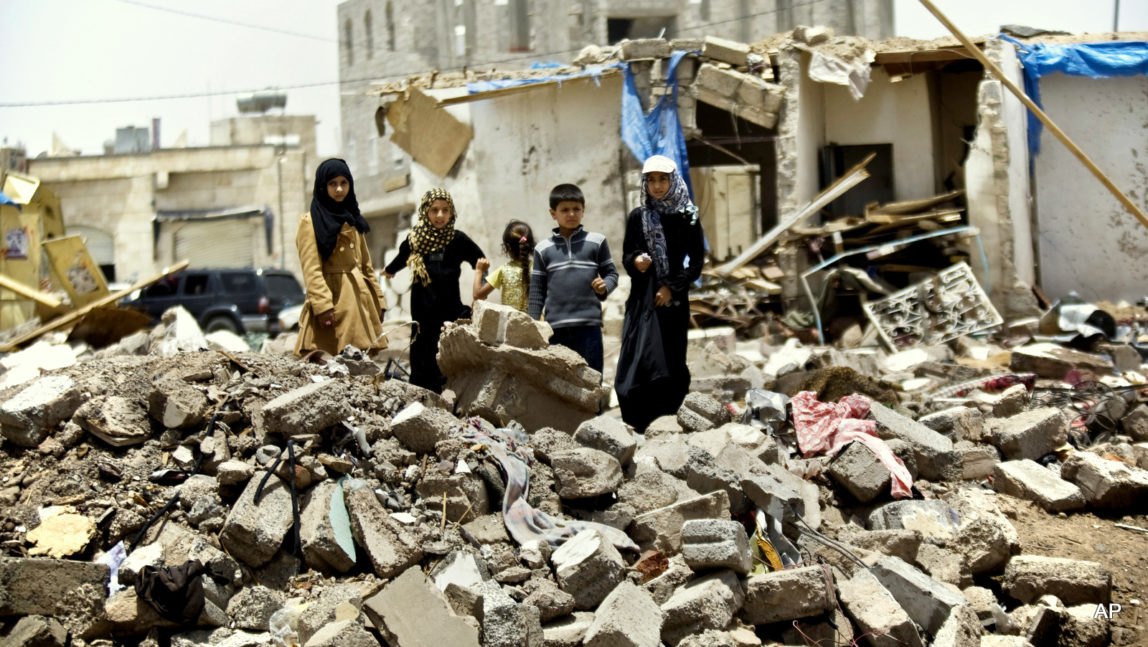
<point>573,274</point>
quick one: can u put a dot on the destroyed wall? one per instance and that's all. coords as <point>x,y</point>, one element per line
<point>800,132</point>
<point>1086,240</point>
<point>119,195</point>
<point>898,113</point>
<point>997,188</point>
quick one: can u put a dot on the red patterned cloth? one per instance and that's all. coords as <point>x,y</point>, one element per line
<point>827,427</point>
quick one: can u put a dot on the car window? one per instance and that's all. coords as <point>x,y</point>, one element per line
<point>195,284</point>
<point>284,287</point>
<point>164,287</point>
<point>238,283</point>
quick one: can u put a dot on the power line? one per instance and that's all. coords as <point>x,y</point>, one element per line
<point>225,21</point>
<point>365,79</point>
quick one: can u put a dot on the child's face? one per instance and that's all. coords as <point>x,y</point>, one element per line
<point>337,188</point>
<point>438,213</point>
<point>568,214</point>
<point>658,183</point>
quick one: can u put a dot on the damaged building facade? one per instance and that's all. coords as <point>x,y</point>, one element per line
<point>235,203</point>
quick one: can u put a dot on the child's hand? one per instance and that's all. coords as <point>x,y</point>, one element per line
<point>642,262</point>
<point>388,275</point>
<point>482,265</point>
<point>326,319</point>
<point>662,296</point>
<point>598,285</point>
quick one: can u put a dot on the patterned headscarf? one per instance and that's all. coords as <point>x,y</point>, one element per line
<point>425,239</point>
<point>676,203</point>
<point>328,216</point>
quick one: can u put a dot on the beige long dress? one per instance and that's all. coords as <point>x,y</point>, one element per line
<point>346,281</point>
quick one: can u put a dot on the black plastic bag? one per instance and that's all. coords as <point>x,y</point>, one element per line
<point>642,358</point>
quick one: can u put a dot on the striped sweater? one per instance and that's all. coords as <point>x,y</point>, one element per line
<point>560,282</point>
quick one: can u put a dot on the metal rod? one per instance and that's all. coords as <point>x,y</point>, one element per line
<point>1035,109</point>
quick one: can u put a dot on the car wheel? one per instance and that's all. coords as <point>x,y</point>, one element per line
<point>221,323</point>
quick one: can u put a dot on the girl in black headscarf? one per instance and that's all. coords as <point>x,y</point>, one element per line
<point>345,305</point>
<point>663,253</point>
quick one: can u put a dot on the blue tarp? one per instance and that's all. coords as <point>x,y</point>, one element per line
<point>658,132</point>
<point>6,200</point>
<point>593,72</point>
<point>1095,60</point>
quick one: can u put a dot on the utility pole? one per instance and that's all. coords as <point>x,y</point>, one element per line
<point>282,216</point>
<point>1116,17</point>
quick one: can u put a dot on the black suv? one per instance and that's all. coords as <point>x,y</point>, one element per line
<point>239,300</point>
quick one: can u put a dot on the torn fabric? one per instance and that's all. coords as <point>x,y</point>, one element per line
<point>853,74</point>
<point>525,522</point>
<point>827,427</point>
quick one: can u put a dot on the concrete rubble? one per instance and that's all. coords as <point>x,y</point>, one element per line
<point>331,507</point>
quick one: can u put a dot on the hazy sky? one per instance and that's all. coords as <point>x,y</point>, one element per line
<point>82,68</point>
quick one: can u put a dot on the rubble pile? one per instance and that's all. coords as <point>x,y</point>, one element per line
<point>158,495</point>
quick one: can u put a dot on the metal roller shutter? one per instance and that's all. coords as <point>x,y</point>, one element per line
<point>219,243</point>
<point>100,244</point>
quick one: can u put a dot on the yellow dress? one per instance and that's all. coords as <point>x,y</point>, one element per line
<point>346,281</point>
<point>509,279</point>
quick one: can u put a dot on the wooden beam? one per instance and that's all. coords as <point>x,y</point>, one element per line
<point>850,179</point>
<point>1035,109</point>
<point>29,293</point>
<point>76,315</point>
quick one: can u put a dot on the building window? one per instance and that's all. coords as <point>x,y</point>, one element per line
<point>460,40</point>
<point>520,26</point>
<point>370,34</point>
<point>390,27</point>
<point>348,42</point>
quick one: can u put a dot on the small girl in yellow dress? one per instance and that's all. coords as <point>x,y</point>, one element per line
<point>513,278</point>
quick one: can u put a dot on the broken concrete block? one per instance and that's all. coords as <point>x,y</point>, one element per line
<point>1080,625</point>
<point>588,567</point>
<point>547,441</point>
<point>934,519</point>
<point>776,491</point>
<point>628,617</point>
<point>305,410</point>
<point>116,420</point>
<point>465,495</point>
<point>1029,480</point>
<point>1055,361</point>
<point>233,472</point>
<point>645,48</point>
<point>977,461</point>
<point>37,631</point>
<point>725,51</point>
<point>812,35</point>
<point>857,469</point>
<point>1106,483</point>
<point>944,565</point>
<point>986,539</point>
<point>663,426</point>
<point>27,417</point>
<point>705,476</point>
<point>253,532</point>
<point>700,412</point>
<point>500,324</point>
<point>176,404</point>
<point>1031,434</point>
<point>568,631</point>
<point>325,529</point>
<point>387,543</point>
<point>505,623</point>
<point>960,423</point>
<point>251,607</point>
<point>585,472</point>
<point>420,427</point>
<point>661,529</point>
<point>1027,577</point>
<point>716,543</point>
<point>545,387</point>
<point>1004,641</point>
<point>670,455</point>
<point>1012,401</point>
<point>1135,423</point>
<point>708,602</point>
<point>344,633</point>
<point>551,601</point>
<point>44,586</point>
<point>408,605</point>
<point>899,543</point>
<point>751,439</point>
<point>670,574</point>
<point>786,595</point>
<point>650,488</point>
<point>608,434</point>
<point>927,601</point>
<point>758,102</point>
<point>936,460</point>
<point>961,629</point>
<point>876,612</point>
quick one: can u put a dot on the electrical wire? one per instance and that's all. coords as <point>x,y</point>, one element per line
<point>225,21</point>
<point>340,82</point>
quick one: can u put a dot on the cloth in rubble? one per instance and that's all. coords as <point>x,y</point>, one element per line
<point>827,427</point>
<point>525,522</point>
<point>990,384</point>
<point>176,592</point>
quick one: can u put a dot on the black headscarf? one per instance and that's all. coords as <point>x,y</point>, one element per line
<point>327,215</point>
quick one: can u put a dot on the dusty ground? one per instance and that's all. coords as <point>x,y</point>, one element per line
<point>1094,538</point>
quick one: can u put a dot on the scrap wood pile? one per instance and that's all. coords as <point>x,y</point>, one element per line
<point>159,496</point>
